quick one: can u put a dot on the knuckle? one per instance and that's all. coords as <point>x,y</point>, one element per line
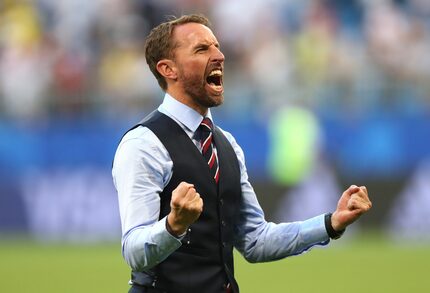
<point>182,184</point>
<point>174,199</point>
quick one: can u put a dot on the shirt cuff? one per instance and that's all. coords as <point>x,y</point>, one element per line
<point>314,231</point>
<point>145,247</point>
<point>161,235</point>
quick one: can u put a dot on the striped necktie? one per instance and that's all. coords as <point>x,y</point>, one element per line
<point>208,151</point>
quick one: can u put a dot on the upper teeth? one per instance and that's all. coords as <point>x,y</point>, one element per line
<point>215,72</point>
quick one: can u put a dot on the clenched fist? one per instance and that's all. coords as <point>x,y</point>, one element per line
<point>186,206</point>
<point>353,203</point>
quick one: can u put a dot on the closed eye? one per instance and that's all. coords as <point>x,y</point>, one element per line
<point>201,48</point>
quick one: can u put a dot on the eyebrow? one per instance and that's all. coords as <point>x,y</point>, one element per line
<point>205,44</point>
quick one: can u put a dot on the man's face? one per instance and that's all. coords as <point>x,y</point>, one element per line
<point>200,64</point>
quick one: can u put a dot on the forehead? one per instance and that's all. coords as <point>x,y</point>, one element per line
<point>192,34</point>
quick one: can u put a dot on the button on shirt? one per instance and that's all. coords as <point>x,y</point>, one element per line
<point>142,169</point>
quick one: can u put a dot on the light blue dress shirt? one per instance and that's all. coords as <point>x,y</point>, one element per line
<point>142,169</point>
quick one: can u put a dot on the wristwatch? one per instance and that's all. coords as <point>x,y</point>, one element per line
<point>332,233</point>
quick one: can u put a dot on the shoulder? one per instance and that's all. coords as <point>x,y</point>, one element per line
<point>228,135</point>
<point>236,147</point>
<point>138,142</point>
<point>138,137</point>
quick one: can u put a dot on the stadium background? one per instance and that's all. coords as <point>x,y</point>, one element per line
<point>320,95</point>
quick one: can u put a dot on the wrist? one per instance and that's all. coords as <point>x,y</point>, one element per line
<point>331,231</point>
<point>173,228</point>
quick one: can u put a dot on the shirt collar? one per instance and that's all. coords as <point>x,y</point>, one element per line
<point>182,113</point>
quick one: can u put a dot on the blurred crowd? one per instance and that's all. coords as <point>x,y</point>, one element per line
<point>74,57</point>
<point>305,68</point>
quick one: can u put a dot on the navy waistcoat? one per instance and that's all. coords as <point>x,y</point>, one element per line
<point>204,262</point>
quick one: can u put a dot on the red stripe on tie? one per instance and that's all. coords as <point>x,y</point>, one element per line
<point>207,147</point>
<point>211,160</point>
<point>206,144</point>
<point>207,125</point>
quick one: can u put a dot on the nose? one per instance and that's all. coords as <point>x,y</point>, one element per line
<point>217,55</point>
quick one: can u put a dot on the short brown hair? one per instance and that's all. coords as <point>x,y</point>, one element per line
<point>159,45</point>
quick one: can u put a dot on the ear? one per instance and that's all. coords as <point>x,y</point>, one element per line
<point>167,68</point>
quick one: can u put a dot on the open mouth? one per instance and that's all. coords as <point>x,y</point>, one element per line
<point>214,80</point>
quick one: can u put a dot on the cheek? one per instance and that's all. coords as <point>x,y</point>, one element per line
<point>193,76</point>
<point>196,67</point>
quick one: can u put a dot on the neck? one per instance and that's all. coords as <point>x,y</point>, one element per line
<point>185,99</point>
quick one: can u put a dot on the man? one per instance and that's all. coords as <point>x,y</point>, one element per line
<point>184,195</point>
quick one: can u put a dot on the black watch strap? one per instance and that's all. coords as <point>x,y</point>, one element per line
<point>332,233</point>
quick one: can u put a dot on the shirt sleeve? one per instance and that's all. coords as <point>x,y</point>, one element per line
<point>142,168</point>
<point>260,241</point>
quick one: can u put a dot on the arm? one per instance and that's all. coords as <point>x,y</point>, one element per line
<point>261,241</point>
<point>142,168</point>
<point>258,240</point>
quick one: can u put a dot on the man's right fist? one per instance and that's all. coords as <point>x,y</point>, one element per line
<point>186,206</point>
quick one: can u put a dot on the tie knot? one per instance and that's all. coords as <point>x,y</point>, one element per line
<point>206,124</point>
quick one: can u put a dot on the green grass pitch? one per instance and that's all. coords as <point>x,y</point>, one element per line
<point>363,264</point>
